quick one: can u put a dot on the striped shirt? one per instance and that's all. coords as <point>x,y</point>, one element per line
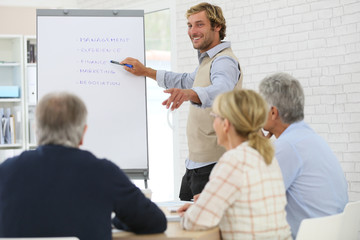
<point>244,196</point>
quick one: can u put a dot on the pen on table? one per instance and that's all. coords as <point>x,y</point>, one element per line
<point>122,64</point>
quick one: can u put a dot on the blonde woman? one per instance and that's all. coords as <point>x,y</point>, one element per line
<point>245,195</point>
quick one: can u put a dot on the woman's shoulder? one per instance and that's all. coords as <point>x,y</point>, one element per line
<point>242,154</point>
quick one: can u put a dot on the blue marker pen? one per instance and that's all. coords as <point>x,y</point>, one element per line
<point>122,64</point>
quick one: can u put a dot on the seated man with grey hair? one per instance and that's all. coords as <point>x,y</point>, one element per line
<point>60,190</point>
<point>314,180</point>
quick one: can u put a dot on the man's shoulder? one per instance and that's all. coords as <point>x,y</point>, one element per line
<point>298,138</point>
<point>224,56</point>
<point>90,159</point>
<point>59,154</point>
<point>295,131</point>
<point>219,49</point>
<point>225,52</point>
<point>24,155</point>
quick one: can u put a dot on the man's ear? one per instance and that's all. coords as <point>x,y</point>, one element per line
<point>274,113</point>
<point>82,138</point>
<point>217,28</point>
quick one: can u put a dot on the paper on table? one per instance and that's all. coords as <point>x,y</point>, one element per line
<point>172,203</point>
<point>172,207</point>
<point>173,218</point>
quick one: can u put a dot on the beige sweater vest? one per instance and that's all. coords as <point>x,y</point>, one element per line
<point>202,141</point>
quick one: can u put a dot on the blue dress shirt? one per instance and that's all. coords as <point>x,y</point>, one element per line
<point>224,74</point>
<point>314,180</point>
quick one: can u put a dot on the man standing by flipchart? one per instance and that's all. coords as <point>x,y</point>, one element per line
<point>218,71</point>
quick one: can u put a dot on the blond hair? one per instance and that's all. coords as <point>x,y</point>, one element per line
<point>213,13</point>
<point>247,111</point>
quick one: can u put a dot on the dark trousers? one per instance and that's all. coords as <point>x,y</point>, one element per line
<point>194,181</point>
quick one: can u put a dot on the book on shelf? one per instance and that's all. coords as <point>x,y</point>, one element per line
<point>32,135</point>
<point>28,51</point>
<point>8,135</point>
<point>12,129</point>
<point>1,126</point>
<point>31,74</point>
<point>31,52</point>
<point>5,121</point>
<point>9,91</point>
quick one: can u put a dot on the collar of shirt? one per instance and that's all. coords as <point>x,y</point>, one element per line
<point>213,51</point>
<point>292,126</point>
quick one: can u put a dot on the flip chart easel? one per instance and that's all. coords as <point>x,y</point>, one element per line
<point>74,52</point>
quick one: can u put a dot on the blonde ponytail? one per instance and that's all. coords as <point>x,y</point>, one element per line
<point>262,145</point>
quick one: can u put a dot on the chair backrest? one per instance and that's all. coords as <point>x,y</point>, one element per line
<point>46,238</point>
<point>350,228</point>
<point>321,228</point>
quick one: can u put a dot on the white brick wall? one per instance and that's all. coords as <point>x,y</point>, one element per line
<point>317,41</point>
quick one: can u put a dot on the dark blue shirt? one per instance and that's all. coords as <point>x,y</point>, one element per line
<point>62,191</point>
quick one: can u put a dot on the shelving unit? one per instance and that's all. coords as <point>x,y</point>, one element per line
<point>12,74</point>
<point>30,89</point>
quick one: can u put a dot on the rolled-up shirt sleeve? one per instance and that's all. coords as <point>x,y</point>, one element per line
<point>166,79</point>
<point>224,75</point>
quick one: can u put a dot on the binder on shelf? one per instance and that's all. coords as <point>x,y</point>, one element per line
<point>32,135</point>
<point>31,74</point>
<point>9,92</point>
<point>12,129</point>
<point>6,126</point>
<point>28,51</point>
<point>1,125</point>
<point>17,113</point>
<point>31,52</point>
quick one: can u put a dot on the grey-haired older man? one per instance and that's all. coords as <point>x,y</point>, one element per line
<point>314,180</point>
